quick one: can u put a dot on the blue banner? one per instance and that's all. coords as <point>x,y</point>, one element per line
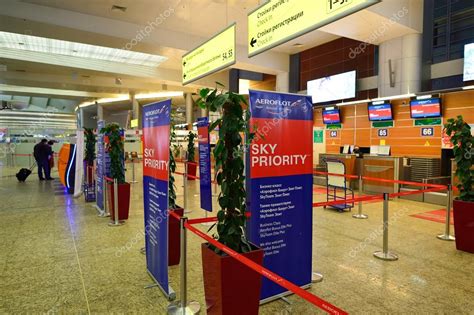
<point>100,167</point>
<point>280,186</point>
<point>205,163</point>
<point>156,135</point>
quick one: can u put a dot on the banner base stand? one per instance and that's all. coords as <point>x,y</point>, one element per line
<point>171,296</point>
<point>191,308</point>
<point>316,277</point>
<point>281,295</point>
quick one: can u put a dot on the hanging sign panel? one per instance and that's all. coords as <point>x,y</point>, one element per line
<point>156,135</point>
<point>280,186</point>
<point>278,21</point>
<point>204,163</point>
<point>214,55</point>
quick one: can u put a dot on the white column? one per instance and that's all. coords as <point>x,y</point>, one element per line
<point>283,82</point>
<point>136,109</point>
<point>404,53</point>
<point>189,108</point>
<point>100,112</point>
<point>411,63</point>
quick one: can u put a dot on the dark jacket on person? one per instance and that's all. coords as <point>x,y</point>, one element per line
<point>42,151</point>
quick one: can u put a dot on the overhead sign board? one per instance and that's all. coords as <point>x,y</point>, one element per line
<point>278,21</point>
<point>215,54</point>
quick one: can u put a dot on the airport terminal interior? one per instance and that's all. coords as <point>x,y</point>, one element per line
<point>236,157</point>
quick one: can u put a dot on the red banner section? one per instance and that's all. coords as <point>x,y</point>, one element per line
<point>280,154</point>
<point>155,152</point>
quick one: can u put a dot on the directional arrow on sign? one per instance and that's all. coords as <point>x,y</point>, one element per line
<point>253,42</point>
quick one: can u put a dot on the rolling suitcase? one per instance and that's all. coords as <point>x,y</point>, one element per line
<point>23,174</point>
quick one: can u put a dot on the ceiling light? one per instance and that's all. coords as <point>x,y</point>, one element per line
<point>159,94</point>
<point>74,49</point>
<point>394,97</point>
<point>353,102</point>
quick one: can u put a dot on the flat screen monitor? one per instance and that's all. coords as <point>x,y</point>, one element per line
<point>331,116</point>
<point>428,108</point>
<point>336,87</point>
<point>468,62</point>
<point>380,111</point>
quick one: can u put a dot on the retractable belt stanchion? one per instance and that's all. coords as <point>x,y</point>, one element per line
<point>385,254</point>
<point>133,172</point>
<point>116,221</point>
<point>447,233</point>
<point>185,188</point>
<point>359,215</point>
<point>183,306</point>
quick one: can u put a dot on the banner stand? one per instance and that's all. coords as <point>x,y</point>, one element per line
<point>183,306</point>
<point>104,213</point>
<point>116,221</point>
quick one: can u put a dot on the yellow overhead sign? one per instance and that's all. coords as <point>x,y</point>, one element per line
<point>215,54</point>
<point>133,123</point>
<point>278,21</point>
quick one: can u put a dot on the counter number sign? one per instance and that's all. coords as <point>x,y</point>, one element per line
<point>333,134</point>
<point>382,132</point>
<point>427,131</point>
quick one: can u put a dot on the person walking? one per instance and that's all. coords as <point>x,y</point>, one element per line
<point>41,152</point>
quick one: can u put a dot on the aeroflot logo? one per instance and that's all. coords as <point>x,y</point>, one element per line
<point>156,111</point>
<point>264,101</point>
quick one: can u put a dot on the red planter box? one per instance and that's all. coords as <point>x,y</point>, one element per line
<point>231,288</point>
<point>192,170</point>
<point>123,200</point>
<point>174,237</point>
<point>464,225</point>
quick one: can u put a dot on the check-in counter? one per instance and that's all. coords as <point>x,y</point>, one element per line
<point>383,167</point>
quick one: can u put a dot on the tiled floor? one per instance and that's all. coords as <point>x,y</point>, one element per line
<point>58,257</point>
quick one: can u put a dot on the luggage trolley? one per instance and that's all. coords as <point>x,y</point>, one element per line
<point>337,184</point>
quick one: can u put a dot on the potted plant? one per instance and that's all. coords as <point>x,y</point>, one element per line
<point>463,150</point>
<point>192,165</point>
<point>174,235</point>
<point>115,149</point>
<point>89,154</point>
<point>230,287</point>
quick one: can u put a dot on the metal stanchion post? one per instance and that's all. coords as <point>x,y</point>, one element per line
<point>385,254</point>
<point>133,172</point>
<point>359,215</point>
<point>185,188</point>
<point>447,233</point>
<point>182,306</point>
<point>116,221</point>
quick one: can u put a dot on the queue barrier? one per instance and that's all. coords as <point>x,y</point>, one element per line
<point>385,254</point>
<point>183,306</point>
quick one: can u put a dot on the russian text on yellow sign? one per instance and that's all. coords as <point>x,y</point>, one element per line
<point>278,21</point>
<point>215,54</point>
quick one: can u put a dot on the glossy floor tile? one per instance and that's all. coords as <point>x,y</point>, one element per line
<point>58,257</point>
